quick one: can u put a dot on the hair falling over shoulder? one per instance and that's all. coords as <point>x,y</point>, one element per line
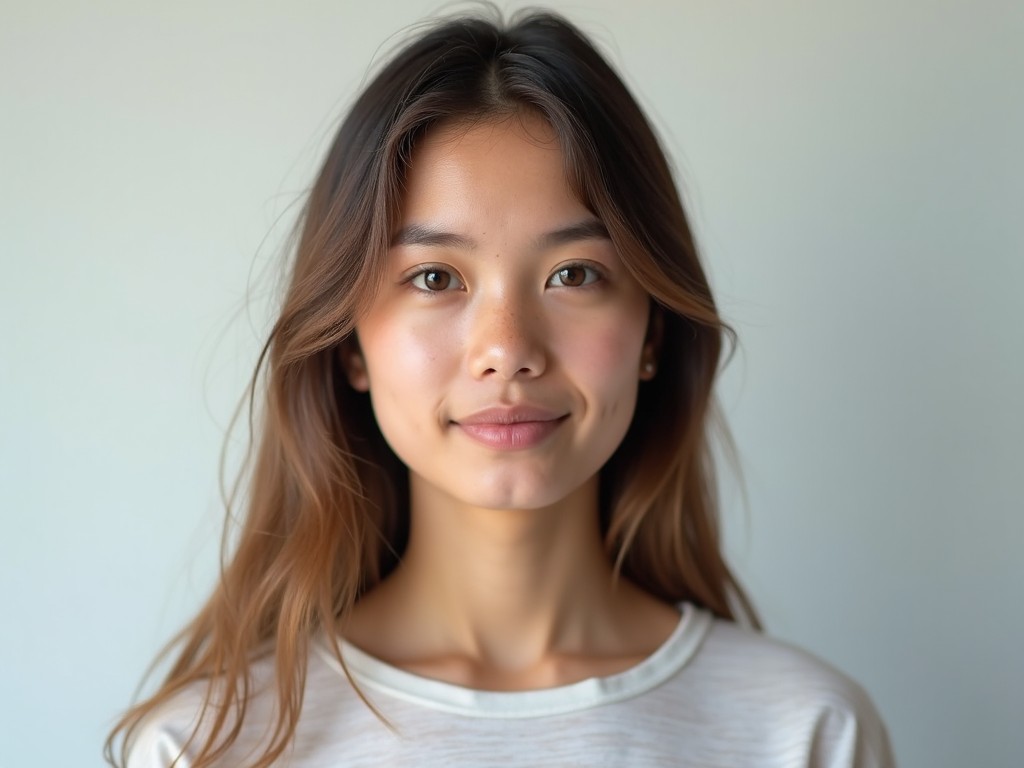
<point>327,515</point>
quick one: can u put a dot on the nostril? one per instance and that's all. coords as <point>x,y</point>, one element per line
<point>496,351</point>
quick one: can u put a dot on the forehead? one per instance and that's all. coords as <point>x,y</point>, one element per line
<point>511,166</point>
<point>481,133</point>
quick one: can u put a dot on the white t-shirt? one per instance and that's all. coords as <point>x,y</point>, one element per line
<point>714,694</point>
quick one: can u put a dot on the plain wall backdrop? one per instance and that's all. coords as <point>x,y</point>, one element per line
<point>854,174</point>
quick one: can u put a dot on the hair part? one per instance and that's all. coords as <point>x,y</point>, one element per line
<point>327,515</point>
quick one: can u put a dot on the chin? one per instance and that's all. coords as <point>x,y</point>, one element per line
<point>519,492</point>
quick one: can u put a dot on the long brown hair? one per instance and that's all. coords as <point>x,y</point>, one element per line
<point>327,514</point>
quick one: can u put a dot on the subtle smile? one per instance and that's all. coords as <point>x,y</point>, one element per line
<point>510,429</point>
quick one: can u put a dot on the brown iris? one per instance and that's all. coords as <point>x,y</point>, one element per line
<point>437,280</point>
<point>572,276</point>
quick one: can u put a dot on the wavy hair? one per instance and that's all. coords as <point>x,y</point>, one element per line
<point>327,509</point>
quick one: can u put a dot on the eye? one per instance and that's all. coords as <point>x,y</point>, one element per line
<point>574,276</point>
<point>434,280</point>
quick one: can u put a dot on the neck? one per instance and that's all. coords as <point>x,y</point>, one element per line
<point>508,587</point>
<point>507,598</point>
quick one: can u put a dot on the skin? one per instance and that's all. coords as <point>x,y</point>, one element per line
<point>503,293</point>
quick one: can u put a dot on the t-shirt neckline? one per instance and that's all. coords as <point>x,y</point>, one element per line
<point>373,674</point>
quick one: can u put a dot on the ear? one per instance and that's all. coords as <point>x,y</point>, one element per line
<point>652,343</point>
<point>354,364</point>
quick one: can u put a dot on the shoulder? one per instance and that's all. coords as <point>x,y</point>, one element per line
<point>765,664</point>
<point>164,733</point>
<point>778,694</point>
<point>177,727</point>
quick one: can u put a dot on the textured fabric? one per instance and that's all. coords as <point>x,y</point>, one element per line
<point>714,694</point>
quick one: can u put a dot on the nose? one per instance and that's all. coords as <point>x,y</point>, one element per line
<point>506,340</point>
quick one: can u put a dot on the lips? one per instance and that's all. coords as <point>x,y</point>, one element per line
<point>510,429</point>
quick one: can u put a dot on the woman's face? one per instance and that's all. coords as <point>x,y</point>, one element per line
<point>503,351</point>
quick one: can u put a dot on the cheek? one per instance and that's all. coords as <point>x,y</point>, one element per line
<point>403,356</point>
<point>607,361</point>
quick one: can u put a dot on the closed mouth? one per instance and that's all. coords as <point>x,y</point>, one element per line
<point>511,429</point>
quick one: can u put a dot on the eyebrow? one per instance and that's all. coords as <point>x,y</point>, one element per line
<point>421,234</point>
<point>591,229</point>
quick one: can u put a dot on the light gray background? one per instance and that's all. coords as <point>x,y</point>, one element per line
<point>854,172</point>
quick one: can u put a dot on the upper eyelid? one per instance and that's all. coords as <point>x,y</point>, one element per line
<point>598,269</point>
<point>408,276</point>
<point>419,269</point>
<point>422,269</point>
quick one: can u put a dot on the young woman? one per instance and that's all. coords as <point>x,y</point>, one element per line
<point>481,519</point>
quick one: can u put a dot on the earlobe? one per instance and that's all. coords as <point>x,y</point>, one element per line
<point>355,366</point>
<point>647,368</point>
<point>652,344</point>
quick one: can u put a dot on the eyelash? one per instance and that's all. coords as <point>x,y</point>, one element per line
<point>426,269</point>
<point>593,275</point>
